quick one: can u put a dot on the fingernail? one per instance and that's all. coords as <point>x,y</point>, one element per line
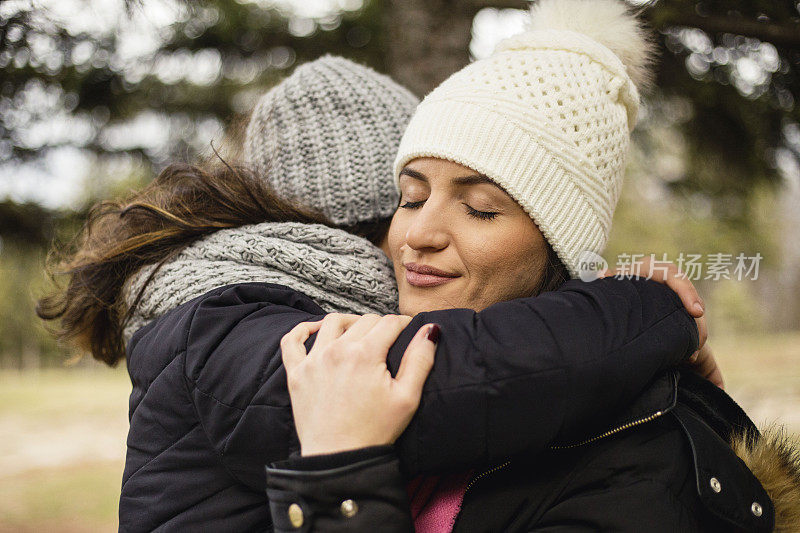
<point>699,307</point>
<point>433,333</point>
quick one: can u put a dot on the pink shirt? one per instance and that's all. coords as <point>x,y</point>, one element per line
<point>436,501</point>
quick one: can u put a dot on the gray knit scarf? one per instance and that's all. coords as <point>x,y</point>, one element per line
<point>339,271</point>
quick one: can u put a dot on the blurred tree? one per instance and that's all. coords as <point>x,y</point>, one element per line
<point>737,65</point>
<point>732,65</point>
<point>63,84</point>
<point>26,231</point>
<point>159,79</point>
<point>26,223</point>
<point>427,40</point>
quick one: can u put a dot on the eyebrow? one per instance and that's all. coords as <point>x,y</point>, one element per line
<point>461,180</point>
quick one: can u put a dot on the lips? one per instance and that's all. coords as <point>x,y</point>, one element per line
<point>427,276</point>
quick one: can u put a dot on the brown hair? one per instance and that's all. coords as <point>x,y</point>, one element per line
<point>555,273</point>
<point>185,202</point>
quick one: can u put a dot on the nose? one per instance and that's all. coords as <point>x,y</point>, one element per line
<point>429,229</point>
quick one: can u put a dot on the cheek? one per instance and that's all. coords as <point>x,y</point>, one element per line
<point>508,264</point>
<point>396,235</point>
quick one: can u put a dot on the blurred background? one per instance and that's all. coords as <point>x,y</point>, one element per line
<point>96,96</point>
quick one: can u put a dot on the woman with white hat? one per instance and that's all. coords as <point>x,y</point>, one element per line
<point>508,171</point>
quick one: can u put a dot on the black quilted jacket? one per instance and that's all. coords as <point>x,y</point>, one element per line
<point>209,407</point>
<point>664,466</point>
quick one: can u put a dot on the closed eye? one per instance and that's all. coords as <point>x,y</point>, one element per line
<point>412,205</point>
<point>482,215</point>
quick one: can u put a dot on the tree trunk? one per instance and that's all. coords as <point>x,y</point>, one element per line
<point>427,40</point>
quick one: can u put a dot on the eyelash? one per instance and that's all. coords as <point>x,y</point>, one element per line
<point>481,215</point>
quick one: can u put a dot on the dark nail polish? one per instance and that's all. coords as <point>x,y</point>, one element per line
<point>433,333</point>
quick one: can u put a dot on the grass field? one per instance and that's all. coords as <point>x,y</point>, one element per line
<point>63,431</point>
<point>63,449</point>
<point>763,375</point>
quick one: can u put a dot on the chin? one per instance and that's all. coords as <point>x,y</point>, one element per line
<point>411,305</point>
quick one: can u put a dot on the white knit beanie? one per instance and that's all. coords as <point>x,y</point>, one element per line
<point>548,117</point>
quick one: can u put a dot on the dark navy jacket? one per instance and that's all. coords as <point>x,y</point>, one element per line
<point>210,408</point>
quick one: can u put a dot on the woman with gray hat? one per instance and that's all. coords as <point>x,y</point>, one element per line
<point>201,274</point>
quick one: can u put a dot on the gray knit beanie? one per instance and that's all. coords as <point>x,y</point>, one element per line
<point>327,136</point>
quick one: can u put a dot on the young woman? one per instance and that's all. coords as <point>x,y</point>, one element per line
<point>513,156</point>
<point>210,269</point>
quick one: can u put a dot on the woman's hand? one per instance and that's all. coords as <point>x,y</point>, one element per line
<point>343,396</point>
<point>702,361</point>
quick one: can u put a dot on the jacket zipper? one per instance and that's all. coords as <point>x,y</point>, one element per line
<point>611,432</point>
<point>486,473</point>
<point>582,443</point>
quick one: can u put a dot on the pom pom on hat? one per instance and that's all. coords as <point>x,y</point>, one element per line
<point>611,23</point>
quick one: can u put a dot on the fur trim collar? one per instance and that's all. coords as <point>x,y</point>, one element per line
<point>774,458</point>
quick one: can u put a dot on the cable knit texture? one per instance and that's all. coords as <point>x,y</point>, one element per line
<point>548,117</point>
<point>327,136</point>
<point>340,271</point>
